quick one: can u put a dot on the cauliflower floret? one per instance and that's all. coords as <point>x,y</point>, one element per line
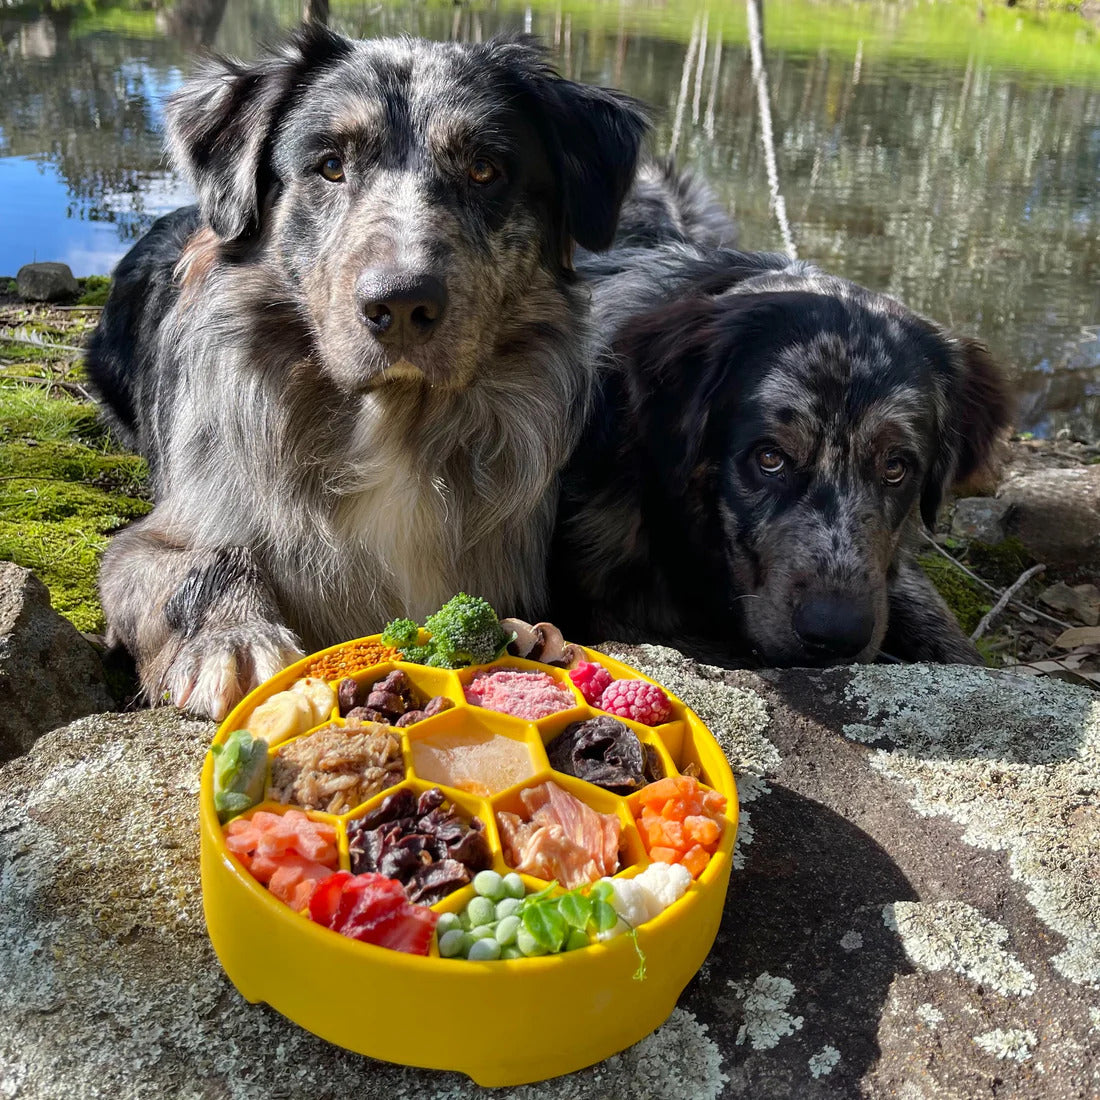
<point>630,901</point>
<point>648,893</point>
<point>665,883</point>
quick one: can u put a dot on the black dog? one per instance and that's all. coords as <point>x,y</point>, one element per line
<point>767,440</point>
<point>358,367</point>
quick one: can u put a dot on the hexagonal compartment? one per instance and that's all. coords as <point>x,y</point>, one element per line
<point>345,767</point>
<point>475,751</point>
<point>423,684</point>
<point>569,856</point>
<point>655,761</point>
<point>288,874</point>
<point>393,844</point>
<point>672,823</point>
<point>536,703</point>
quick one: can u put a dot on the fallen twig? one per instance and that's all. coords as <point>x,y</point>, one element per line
<point>1002,603</point>
<point>987,586</point>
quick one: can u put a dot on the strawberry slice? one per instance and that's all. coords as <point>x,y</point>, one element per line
<point>325,903</point>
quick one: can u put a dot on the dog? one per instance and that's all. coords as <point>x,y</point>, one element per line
<point>358,366</point>
<point>766,442</point>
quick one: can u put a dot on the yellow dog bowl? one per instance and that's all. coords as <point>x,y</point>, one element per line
<point>503,1022</point>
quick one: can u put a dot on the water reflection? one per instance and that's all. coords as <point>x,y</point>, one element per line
<point>969,192</point>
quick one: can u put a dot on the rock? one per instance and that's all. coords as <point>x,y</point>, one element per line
<point>46,282</point>
<point>980,519</point>
<point>49,674</point>
<point>1056,514</point>
<point>1081,601</point>
<point>914,911</point>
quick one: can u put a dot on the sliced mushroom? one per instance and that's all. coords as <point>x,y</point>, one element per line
<point>553,645</point>
<point>528,638</point>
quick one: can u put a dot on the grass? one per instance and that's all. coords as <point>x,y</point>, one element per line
<point>1048,40</point>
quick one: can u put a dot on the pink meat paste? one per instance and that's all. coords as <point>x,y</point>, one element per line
<point>522,694</point>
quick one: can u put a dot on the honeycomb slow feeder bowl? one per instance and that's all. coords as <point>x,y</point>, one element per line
<point>502,1022</point>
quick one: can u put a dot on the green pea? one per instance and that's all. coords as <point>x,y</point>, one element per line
<point>528,944</point>
<point>507,929</point>
<point>447,922</point>
<point>513,885</point>
<point>451,943</point>
<point>480,911</point>
<point>483,932</point>
<point>484,950</point>
<point>488,884</point>
<point>509,907</point>
<point>510,951</point>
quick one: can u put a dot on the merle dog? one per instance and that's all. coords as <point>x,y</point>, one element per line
<point>358,366</point>
<point>767,440</point>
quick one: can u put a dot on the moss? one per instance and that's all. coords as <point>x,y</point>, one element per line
<point>967,599</point>
<point>1000,564</point>
<point>63,489</point>
<point>93,290</point>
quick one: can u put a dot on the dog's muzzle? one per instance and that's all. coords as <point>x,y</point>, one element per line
<point>835,626</point>
<point>400,309</point>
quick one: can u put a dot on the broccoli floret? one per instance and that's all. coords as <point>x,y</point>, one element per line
<point>466,630</point>
<point>402,634</point>
<point>417,654</point>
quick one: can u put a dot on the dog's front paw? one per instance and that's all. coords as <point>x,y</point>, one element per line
<point>211,672</point>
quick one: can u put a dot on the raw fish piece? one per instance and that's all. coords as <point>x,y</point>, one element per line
<point>561,839</point>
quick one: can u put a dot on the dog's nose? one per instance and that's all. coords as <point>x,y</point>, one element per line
<point>401,308</point>
<point>835,625</point>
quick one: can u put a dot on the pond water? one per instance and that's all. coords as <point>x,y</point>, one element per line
<point>946,153</point>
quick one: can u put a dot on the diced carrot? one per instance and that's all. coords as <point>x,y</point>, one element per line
<point>714,803</point>
<point>674,836</point>
<point>664,855</point>
<point>696,860</point>
<point>655,835</point>
<point>664,789</point>
<point>701,829</point>
<point>676,809</point>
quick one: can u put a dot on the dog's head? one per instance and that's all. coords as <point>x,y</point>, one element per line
<point>420,196</point>
<point>809,422</point>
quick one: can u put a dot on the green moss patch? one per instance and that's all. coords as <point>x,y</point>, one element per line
<point>967,599</point>
<point>64,488</point>
<point>1001,564</point>
<point>93,290</point>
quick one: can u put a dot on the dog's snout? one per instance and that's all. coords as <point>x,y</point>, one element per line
<point>836,625</point>
<point>401,308</point>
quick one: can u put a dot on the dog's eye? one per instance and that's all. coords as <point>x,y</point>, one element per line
<point>894,471</point>
<point>771,460</point>
<point>482,171</point>
<point>332,168</point>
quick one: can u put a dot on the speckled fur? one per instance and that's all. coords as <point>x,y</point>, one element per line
<point>323,481</point>
<point>668,530</point>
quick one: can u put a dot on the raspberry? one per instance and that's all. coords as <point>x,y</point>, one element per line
<point>637,699</point>
<point>591,679</point>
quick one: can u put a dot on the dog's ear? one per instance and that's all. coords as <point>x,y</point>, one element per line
<point>976,413</point>
<point>220,125</point>
<point>593,136</point>
<point>671,373</point>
